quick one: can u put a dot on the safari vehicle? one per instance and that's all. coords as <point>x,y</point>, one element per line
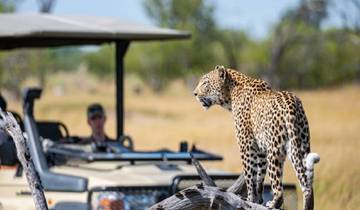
<point>75,177</point>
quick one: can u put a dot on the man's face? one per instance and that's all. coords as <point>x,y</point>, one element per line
<point>97,124</point>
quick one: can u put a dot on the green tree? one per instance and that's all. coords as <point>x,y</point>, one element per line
<point>184,58</point>
<point>298,53</point>
<point>5,78</point>
<point>317,57</point>
<point>17,65</point>
<point>233,42</point>
<point>101,62</point>
<point>14,70</point>
<point>8,5</point>
<point>298,29</point>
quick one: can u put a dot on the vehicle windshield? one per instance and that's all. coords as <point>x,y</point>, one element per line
<point>120,153</point>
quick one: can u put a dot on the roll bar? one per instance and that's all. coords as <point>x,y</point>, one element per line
<point>50,181</point>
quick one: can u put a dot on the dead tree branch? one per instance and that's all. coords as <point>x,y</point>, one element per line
<point>239,185</point>
<point>202,173</point>
<point>208,196</point>
<point>9,124</point>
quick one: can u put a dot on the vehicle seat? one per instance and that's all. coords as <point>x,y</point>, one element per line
<point>52,130</point>
<point>8,155</point>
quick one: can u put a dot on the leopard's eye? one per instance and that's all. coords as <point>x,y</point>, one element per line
<point>203,84</point>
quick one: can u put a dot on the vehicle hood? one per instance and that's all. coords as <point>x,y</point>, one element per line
<point>114,174</point>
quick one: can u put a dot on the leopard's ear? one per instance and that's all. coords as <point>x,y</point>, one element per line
<point>222,72</point>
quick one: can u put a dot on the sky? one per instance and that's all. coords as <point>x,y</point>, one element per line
<point>256,17</point>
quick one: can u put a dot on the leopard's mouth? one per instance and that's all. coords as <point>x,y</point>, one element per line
<point>205,102</point>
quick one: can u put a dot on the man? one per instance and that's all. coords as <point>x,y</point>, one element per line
<point>96,119</point>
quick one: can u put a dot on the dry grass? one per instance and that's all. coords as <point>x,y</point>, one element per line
<point>164,120</point>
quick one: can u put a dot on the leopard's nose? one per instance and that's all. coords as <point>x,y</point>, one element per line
<point>195,94</point>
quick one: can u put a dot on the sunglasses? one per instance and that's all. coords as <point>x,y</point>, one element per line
<point>96,117</point>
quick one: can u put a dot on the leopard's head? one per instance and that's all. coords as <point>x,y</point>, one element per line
<point>213,88</point>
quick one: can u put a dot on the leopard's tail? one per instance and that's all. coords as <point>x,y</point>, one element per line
<point>310,160</point>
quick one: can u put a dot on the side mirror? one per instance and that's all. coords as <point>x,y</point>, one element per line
<point>29,96</point>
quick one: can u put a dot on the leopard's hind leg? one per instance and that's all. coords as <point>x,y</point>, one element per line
<point>276,158</point>
<point>261,173</point>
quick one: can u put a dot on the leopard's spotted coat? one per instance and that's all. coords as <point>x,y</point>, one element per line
<point>269,126</point>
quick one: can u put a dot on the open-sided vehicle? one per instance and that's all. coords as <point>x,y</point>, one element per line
<point>74,176</point>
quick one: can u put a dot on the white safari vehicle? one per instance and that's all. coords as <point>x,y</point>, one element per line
<point>75,177</point>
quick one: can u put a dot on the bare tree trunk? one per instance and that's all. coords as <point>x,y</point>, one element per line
<point>9,124</point>
<point>271,75</point>
<point>232,49</point>
<point>208,196</point>
<point>277,50</point>
<point>46,6</point>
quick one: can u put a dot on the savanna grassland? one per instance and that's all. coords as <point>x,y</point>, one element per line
<point>163,120</point>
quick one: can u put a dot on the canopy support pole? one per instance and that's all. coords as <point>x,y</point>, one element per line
<point>120,51</point>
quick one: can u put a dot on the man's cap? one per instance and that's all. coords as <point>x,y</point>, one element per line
<point>3,104</point>
<point>95,110</point>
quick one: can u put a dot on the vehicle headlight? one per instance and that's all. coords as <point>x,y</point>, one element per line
<point>113,200</point>
<point>109,201</point>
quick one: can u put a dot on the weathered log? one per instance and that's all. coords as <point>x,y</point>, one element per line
<point>9,124</point>
<point>207,196</point>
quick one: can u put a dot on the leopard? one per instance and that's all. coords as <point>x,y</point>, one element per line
<point>270,125</point>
